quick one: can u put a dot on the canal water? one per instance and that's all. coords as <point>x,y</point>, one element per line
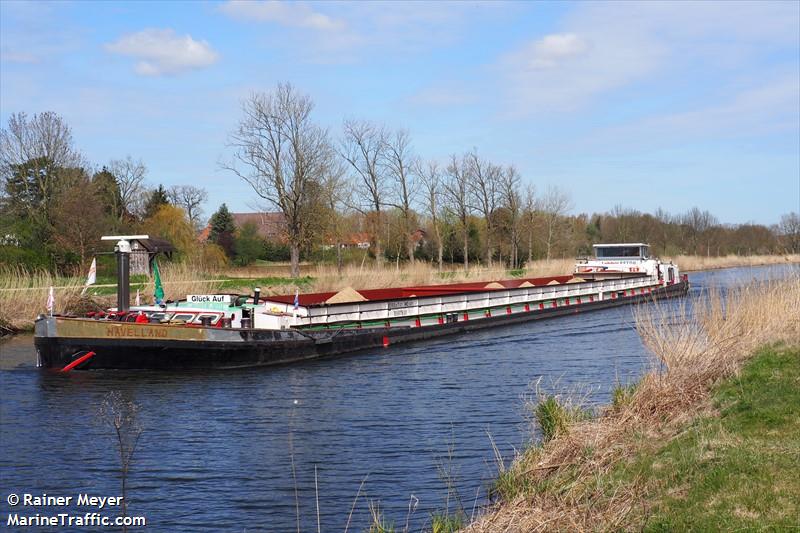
<point>407,430</point>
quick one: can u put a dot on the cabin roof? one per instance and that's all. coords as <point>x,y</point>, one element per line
<point>399,293</point>
<point>156,245</point>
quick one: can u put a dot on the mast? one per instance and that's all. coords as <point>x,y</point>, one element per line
<point>123,252</point>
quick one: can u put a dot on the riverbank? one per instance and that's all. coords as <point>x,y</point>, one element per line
<point>699,263</point>
<point>668,450</point>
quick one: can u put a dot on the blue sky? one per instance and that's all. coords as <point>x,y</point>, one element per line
<point>643,105</point>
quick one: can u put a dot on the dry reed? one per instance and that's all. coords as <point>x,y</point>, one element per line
<point>562,484</point>
<point>328,278</point>
<point>690,263</point>
<point>23,296</point>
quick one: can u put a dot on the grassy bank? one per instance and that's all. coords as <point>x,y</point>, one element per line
<point>735,467</point>
<point>663,446</point>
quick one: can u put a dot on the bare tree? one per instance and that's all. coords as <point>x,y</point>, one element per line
<point>34,153</point>
<point>697,223</point>
<point>483,184</point>
<point>191,199</point>
<point>529,216</point>
<point>364,149</point>
<point>123,416</point>
<point>431,178</point>
<point>510,197</point>
<point>400,165</point>
<point>284,156</point>
<point>456,188</point>
<point>553,205</point>
<point>789,229</point>
<point>130,176</point>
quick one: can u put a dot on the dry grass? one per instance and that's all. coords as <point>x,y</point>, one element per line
<point>327,278</point>
<point>565,484</point>
<point>180,279</point>
<point>690,263</point>
<point>23,295</point>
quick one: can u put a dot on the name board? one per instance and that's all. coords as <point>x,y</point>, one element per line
<point>208,298</point>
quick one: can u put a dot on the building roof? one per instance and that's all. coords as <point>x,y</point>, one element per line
<point>270,226</point>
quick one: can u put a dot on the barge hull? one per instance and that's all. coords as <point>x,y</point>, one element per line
<point>134,346</point>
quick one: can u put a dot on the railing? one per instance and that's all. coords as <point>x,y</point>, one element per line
<point>414,307</point>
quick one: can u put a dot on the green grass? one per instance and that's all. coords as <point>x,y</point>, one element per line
<point>737,469</point>
<point>555,416</point>
<point>447,523</point>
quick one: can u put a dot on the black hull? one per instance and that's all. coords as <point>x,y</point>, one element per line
<point>250,348</point>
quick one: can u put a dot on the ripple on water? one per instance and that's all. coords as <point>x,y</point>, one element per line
<point>217,449</point>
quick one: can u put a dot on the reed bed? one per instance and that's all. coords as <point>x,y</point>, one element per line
<point>24,293</point>
<point>180,279</point>
<point>565,484</point>
<point>689,263</point>
<point>328,278</point>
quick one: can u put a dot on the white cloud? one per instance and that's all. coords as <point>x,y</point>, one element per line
<point>287,14</point>
<point>160,51</point>
<point>603,47</point>
<point>554,49</point>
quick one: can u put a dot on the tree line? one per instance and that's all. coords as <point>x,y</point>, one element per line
<point>368,178</point>
<point>364,179</point>
<point>55,204</point>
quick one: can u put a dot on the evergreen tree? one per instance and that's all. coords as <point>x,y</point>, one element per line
<point>223,229</point>
<point>156,199</point>
<point>249,246</point>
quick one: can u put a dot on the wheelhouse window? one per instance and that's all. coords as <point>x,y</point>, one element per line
<point>608,252</point>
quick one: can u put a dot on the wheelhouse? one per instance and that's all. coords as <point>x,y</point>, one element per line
<point>622,251</point>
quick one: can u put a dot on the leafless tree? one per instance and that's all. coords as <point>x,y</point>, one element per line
<point>456,188</point>
<point>483,185</point>
<point>431,179</point>
<point>697,223</point>
<point>363,147</point>
<point>529,215</point>
<point>789,229</point>
<point>511,199</point>
<point>191,199</point>
<point>37,150</point>
<point>283,156</point>
<point>130,176</point>
<point>553,205</point>
<point>400,166</point>
<point>335,200</point>
<point>123,416</point>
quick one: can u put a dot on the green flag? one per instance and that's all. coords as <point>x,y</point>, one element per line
<point>159,293</point>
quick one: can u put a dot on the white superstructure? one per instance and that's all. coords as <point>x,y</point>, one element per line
<point>614,261</point>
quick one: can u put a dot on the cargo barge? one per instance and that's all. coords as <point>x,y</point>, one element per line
<point>235,331</point>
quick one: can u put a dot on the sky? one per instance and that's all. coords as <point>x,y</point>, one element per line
<point>638,105</point>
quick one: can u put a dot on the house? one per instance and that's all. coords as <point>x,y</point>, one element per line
<point>269,226</point>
